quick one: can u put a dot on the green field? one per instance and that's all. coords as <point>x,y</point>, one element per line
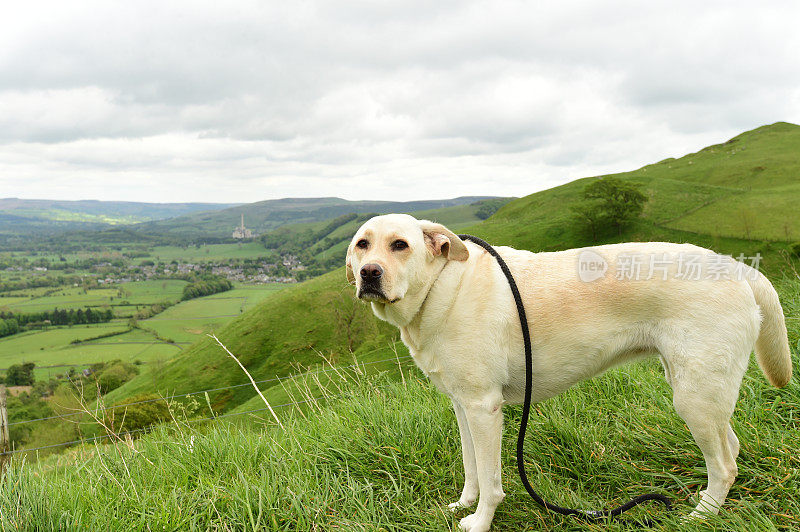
<point>123,298</point>
<point>182,324</point>
<point>209,252</point>
<point>189,320</point>
<point>54,347</point>
<point>295,326</point>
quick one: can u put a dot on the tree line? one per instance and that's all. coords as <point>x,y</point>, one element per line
<point>205,285</point>
<point>12,323</point>
<point>38,282</point>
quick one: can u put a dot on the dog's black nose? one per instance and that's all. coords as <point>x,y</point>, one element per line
<point>371,272</point>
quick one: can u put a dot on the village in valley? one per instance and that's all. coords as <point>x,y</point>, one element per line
<point>245,261</point>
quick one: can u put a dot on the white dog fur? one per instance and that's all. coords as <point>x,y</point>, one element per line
<point>456,314</point>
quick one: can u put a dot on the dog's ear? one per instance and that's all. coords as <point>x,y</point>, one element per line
<point>348,267</point>
<point>442,241</point>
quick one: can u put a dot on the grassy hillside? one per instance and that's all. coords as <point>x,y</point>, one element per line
<point>746,189</point>
<point>384,454</point>
<point>300,325</point>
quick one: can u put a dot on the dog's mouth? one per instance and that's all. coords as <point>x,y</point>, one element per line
<point>375,295</point>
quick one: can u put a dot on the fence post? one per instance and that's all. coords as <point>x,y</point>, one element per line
<point>4,440</point>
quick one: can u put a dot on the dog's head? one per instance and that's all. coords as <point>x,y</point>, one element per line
<point>394,255</point>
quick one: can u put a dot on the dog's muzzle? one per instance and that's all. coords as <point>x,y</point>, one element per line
<point>371,275</point>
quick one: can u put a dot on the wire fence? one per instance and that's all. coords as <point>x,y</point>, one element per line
<point>336,369</point>
<point>121,435</point>
<point>177,396</point>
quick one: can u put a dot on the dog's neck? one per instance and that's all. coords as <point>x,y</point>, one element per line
<point>402,313</point>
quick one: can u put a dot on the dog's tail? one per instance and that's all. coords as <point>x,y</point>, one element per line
<point>772,345</point>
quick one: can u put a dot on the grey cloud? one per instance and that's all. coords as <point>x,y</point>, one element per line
<point>332,90</point>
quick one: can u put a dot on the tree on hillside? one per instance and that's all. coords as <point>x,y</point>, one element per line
<point>609,203</point>
<point>20,374</point>
<point>488,207</point>
<point>590,216</point>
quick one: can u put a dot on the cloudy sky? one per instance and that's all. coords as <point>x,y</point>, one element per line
<point>244,101</point>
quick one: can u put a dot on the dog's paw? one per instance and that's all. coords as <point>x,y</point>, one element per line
<point>474,523</point>
<point>706,508</point>
<point>461,503</point>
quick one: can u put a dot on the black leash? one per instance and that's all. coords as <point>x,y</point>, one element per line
<point>526,408</point>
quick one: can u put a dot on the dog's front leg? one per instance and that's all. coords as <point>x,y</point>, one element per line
<point>470,492</point>
<point>485,420</point>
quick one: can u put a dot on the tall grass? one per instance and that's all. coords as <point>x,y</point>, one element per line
<point>376,453</point>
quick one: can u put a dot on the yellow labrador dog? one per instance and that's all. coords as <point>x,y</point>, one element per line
<point>588,310</point>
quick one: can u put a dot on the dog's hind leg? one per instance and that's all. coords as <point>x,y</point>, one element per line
<point>706,407</point>
<point>470,492</point>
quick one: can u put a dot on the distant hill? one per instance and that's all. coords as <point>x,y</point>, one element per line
<point>321,245</point>
<point>266,215</point>
<point>33,216</point>
<point>747,188</point>
<point>692,199</point>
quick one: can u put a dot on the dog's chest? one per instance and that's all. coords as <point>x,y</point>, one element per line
<point>425,357</point>
<point>432,368</point>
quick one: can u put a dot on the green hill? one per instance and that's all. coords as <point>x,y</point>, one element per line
<point>746,188</point>
<point>298,327</point>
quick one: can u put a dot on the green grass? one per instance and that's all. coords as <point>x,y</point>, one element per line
<point>66,298</point>
<point>190,320</point>
<point>132,294</point>
<point>763,214</point>
<point>6,302</point>
<point>54,347</point>
<point>386,456</point>
<point>149,292</point>
<point>455,218</point>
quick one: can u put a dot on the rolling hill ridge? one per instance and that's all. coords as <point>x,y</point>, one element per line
<point>266,215</point>
<point>35,216</point>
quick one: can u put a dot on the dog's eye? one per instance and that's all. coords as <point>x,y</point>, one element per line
<point>363,244</point>
<point>398,245</point>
